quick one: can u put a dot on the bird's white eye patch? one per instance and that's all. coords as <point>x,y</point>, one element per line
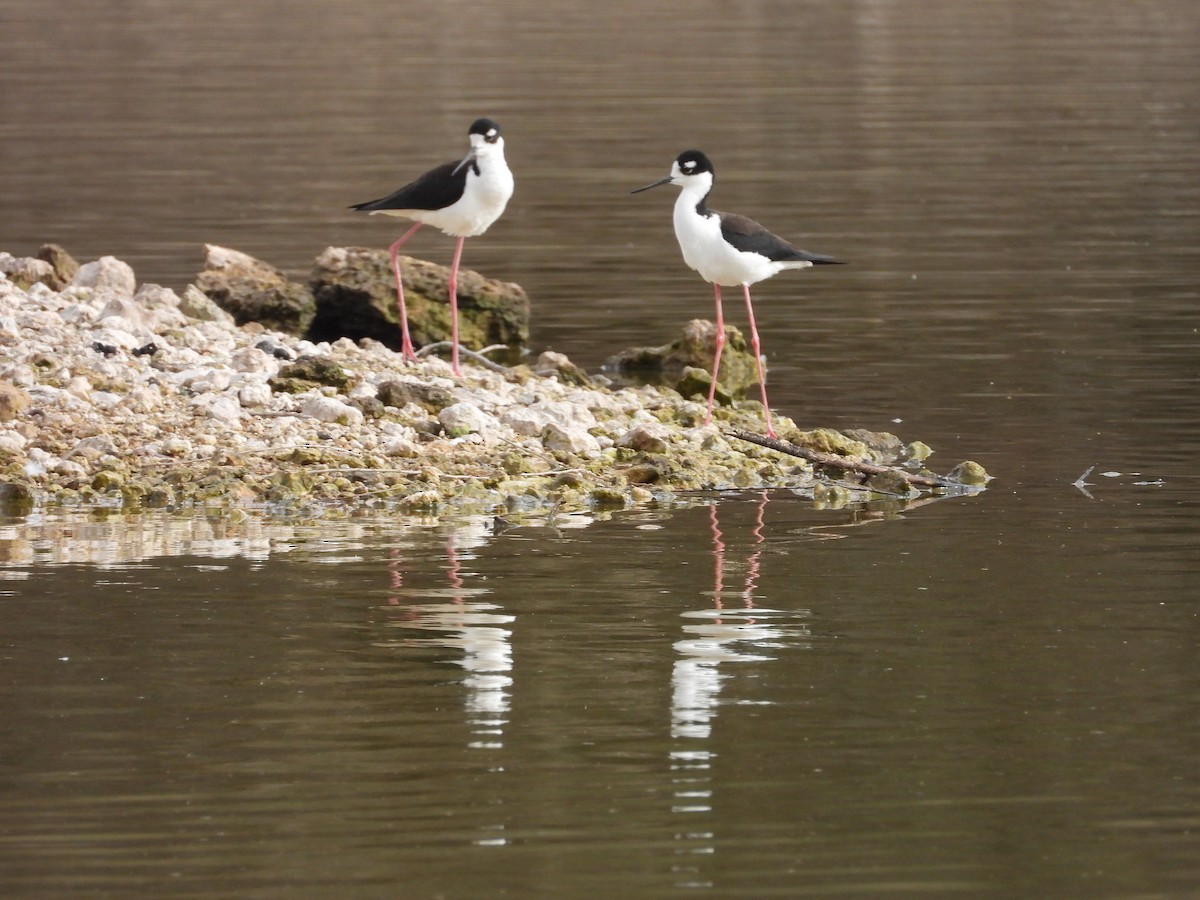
<point>687,165</point>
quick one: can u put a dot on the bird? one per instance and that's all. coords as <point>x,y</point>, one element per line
<point>727,250</point>
<point>462,199</point>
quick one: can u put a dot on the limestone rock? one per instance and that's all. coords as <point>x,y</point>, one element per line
<point>107,275</point>
<point>330,409</point>
<point>558,365</point>
<point>466,418</point>
<point>695,347</point>
<point>355,293</point>
<point>255,291</point>
<point>25,271</point>
<point>569,439</point>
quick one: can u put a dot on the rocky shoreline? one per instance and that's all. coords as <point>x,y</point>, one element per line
<point>119,395</point>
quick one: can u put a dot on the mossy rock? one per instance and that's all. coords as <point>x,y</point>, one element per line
<point>307,373</point>
<point>355,292</point>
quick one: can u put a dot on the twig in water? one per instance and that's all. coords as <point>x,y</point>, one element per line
<point>840,462</point>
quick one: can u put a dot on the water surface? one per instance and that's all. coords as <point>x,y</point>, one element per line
<point>742,696</point>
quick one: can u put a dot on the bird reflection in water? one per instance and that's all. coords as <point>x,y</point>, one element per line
<point>456,619</point>
<point>715,637</point>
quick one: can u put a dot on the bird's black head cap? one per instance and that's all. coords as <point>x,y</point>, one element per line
<point>486,127</point>
<point>693,162</point>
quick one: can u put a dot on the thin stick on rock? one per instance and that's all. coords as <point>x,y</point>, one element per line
<point>839,462</point>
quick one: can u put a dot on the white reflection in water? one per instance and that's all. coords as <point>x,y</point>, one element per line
<point>713,639</point>
<point>475,630</point>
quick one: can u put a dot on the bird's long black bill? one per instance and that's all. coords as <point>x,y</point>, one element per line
<point>469,158</point>
<point>660,181</point>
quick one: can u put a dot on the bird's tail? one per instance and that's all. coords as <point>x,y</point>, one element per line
<point>818,260</point>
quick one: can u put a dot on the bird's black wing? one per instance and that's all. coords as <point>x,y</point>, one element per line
<point>436,189</point>
<point>748,236</point>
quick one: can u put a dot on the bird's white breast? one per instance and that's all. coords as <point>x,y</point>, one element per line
<point>705,250</point>
<point>482,202</point>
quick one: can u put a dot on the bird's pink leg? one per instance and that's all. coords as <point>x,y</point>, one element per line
<point>720,342</point>
<point>762,377</point>
<point>454,308</point>
<point>406,346</point>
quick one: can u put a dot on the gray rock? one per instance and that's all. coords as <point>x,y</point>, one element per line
<point>255,291</point>
<point>61,263</point>
<point>648,438</point>
<point>355,293</point>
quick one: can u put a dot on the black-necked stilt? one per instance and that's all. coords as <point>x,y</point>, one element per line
<point>727,249</point>
<point>462,199</point>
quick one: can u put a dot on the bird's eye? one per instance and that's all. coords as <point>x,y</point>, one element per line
<point>491,136</point>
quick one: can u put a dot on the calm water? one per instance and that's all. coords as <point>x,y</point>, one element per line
<point>742,696</point>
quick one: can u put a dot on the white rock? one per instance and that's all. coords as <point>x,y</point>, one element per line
<point>465,418</point>
<point>143,398</point>
<point>176,446</point>
<point>222,407</point>
<point>80,387</point>
<point>115,337</point>
<point>565,413</point>
<point>525,420</point>
<point>251,359</point>
<point>255,394</point>
<point>128,314</point>
<point>155,296</point>
<point>12,441</point>
<point>107,274</point>
<point>398,446</point>
<point>67,467</point>
<point>569,439</point>
<point>93,447</point>
<point>330,409</point>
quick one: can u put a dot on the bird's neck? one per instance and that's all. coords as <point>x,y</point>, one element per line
<point>694,198</point>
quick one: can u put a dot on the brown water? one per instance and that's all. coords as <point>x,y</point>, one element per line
<point>744,696</point>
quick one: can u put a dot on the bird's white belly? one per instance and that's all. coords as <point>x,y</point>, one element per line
<point>481,204</point>
<point>705,250</point>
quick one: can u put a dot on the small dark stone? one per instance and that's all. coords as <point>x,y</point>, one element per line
<point>16,499</point>
<point>147,350</point>
<point>106,349</point>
